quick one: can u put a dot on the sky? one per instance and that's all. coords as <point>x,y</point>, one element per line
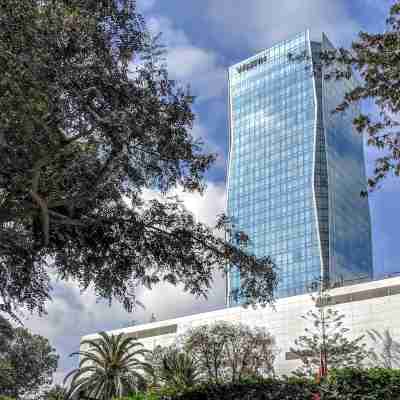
<point>203,38</point>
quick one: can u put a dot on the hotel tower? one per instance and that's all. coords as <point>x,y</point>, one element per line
<point>296,169</point>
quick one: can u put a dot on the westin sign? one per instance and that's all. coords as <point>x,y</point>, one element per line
<point>252,64</point>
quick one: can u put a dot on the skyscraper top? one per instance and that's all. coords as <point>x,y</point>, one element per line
<point>269,53</point>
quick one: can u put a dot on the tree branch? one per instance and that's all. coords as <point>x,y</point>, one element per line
<point>45,216</point>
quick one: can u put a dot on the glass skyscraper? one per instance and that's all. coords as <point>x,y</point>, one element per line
<point>296,169</point>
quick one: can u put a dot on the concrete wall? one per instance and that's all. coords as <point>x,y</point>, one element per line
<point>371,305</point>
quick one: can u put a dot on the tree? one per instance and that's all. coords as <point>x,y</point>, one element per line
<point>28,365</point>
<point>386,350</point>
<point>6,375</point>
<point>88,120</point>
<point>174,367</point>
<point>111,366</point>
<point>325,344</point>
<point>230,352</point>
<point>376,59</point>
<point>6,333</point>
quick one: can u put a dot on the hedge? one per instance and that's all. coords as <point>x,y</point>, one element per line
<point>358,384</point>
<point>263,390</point>
<point>270,389</point>
<point>343,384</point>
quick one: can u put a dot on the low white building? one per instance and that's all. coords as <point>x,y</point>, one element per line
<point>372,305</point>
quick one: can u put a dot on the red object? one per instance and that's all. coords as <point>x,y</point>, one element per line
<point>323,370</point>
<point>316,396</point>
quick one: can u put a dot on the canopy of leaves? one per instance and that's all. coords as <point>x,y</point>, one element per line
<point>27,365</point>
<point>88,120</point>
<point>109,366</point>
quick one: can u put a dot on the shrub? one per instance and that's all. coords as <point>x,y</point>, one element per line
<point>361,384</point>
<point>142,396</point>
<point>250,389</point>
<point>261,390</point>
<point>341,384</point>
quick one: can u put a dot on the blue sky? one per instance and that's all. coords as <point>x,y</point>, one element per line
<point>203,39</point>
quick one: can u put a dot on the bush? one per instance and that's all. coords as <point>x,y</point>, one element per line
<point>342,384</point>
<point>142,396</point>
<point>361,384</point>
<point>270,389</point>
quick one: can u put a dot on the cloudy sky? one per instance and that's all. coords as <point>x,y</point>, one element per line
<point>204,38</point>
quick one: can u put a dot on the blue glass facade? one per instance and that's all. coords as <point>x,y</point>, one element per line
<point>284,190</point>
<point>350,249</point>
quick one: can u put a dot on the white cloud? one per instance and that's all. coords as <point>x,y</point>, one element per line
<point>197,67</point>
<point>188,63</point>
<point>205,207</point>
<point>258,24</point>
<point>199,132</point>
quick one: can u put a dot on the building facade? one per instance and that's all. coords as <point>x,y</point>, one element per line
<point>296,170</point>
<point>366,307</point>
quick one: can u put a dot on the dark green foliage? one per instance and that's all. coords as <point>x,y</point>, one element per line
<point>89,120</point>
<point>6,333</point>
<point>358,384</point>
<point>27,365</point>
<point>143,396</point>
<point>343,384</point>
<point>271,390</point>
<point>246,390</point>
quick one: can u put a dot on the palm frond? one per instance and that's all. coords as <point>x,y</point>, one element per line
<point>111,366</point>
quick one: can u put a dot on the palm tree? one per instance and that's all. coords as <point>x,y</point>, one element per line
<point>56,393</point>
<point>178,369</point>
<point>112,366</point>
<point>386,351</point>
